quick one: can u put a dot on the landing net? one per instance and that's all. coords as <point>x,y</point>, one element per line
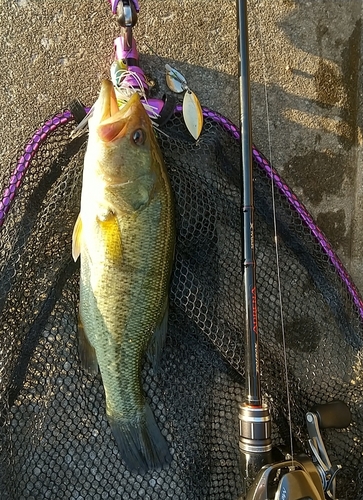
<point>55,440</point>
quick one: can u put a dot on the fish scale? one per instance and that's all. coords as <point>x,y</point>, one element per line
<point>125,235</point>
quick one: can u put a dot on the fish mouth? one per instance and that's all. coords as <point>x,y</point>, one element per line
<point>107,102</point>
<point>114,123</point>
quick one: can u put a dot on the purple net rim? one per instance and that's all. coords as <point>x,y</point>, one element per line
<point>63,118</point>
<point>24,161</point>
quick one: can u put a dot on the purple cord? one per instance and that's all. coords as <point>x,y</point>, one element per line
<point>24,161</point>
<point>60,119</point>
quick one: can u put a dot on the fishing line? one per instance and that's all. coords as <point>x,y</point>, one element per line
<point>153,52</point>
<point>276,245</point>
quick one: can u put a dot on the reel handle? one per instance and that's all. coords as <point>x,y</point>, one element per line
<point>333,415</point>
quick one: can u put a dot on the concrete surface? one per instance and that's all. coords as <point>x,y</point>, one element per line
<point>305,56</point>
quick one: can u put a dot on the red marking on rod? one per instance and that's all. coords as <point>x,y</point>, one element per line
<point>254,310</point>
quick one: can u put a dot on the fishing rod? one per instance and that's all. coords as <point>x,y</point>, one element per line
<point>254,417</point>
<point>267,473</point>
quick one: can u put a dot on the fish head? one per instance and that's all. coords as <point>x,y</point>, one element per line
<point>121,142</point>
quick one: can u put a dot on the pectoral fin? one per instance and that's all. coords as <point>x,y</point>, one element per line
<point>157,341</point>
<point>77,238</point>
<point>87,353</point>
<point>111,236</point>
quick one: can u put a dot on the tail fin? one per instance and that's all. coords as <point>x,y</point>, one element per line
<point>141,444</point>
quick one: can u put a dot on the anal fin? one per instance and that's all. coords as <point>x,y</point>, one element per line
<point>87,353</point>
<point>157,341</point>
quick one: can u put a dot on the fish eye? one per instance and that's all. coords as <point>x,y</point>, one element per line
<point>138,137</point>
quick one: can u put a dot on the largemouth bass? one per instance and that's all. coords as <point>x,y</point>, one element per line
<point>125,236</point>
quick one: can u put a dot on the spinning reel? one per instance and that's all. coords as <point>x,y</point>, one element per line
<point>301,477</point>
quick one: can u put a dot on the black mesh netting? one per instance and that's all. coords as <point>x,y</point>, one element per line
<point>55,441</point>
